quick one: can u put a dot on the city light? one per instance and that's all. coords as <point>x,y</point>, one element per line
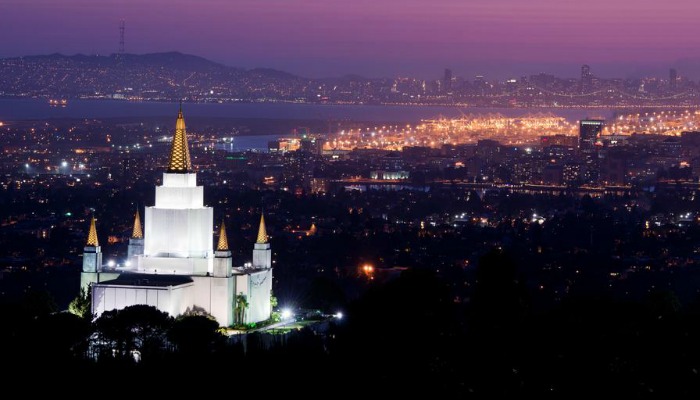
<point>286,314</point>
<point>368,271</point>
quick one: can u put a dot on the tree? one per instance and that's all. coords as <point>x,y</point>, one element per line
<point>195,334</point>
<point>241,306</point>
<point>138,327</point>
<point>82,304</point>
<point>500,297</point>
<point>273,300</point>
<point>38,303</point>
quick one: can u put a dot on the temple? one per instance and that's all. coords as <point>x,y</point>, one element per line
<point>171,263</point>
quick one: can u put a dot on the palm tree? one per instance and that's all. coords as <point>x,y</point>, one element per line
<point>241,306</point>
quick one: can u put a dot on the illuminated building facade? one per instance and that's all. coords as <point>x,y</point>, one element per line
<point>171,263</point>
<point>589,131</point>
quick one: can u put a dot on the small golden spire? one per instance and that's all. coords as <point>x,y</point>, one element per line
<point>262,232</point>
<point>137,233</point>
<point>223,240</point>
<point>92,235</point>
<point>313,229</point>
<point>179,161</point>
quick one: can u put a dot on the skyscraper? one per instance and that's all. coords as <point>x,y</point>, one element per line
<point>589,131</point>
<point>586,79</point>
<point>447,81</point>
<point>672,79</point>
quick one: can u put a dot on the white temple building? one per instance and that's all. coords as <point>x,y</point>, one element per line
<point>172,264</point>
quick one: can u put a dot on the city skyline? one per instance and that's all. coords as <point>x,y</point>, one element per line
<point>375,39</point>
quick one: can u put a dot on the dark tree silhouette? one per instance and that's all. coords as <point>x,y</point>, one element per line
<point>195,335</point>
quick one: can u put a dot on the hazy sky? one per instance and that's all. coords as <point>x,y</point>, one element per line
<point>371,37</point>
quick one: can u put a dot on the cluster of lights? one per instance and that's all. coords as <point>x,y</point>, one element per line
<point>112,264</point>
<point>368,270</point>
<point>453,131</point>
<point>663,123</point>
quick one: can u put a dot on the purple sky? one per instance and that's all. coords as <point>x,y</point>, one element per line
<point>373,37</point>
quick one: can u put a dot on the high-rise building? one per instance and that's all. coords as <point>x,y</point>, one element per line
<point>171,263</point>
<point>614,168</point>
<point>589,131</point>
<point>586,79</point>
<point>673,79</point>
<point>447,81</point>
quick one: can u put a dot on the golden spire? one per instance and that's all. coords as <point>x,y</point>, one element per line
<point>137,233</point>
<point>313,229</point>
<point>262,232</point>
<point>92,235</point>
<point>223,241</point>
<point>179,152</point>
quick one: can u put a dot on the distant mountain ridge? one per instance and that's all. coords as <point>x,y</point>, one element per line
<point>171,59</point>
<point>153,76</point>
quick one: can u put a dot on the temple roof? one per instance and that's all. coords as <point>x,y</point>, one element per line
<point>179,161</point>
<point>262,232</point>
<point>92,235</point>
<point>137,233</point>
<point>223,240</point>
<point>152,280</point>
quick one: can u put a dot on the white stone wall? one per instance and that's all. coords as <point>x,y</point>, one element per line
<point>92,259</point>
<point>222,295</point>
<point>257,287</point>
<point>180,180</point>
<point>214,296</point>
<point>179,197</point>
<point>175,266</point>
<point>179,232</point>
<point>179,225</point>
<point>262,255</point>
<point>172,300</point>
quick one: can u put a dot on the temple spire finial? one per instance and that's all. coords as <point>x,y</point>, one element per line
<point>179,161</point>
<point>92,235</point>
<point>262,232</point>
<point>137,232</point>
<point>223,240</point>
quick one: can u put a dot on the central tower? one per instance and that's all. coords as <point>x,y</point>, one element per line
<point>178,228</point>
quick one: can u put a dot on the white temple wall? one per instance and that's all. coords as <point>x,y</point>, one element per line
<point>167,299</point>
<point>178,232</point>
<point>175,266</point>
<point>179,197</point>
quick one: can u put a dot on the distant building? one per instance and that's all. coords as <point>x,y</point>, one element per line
<point>447,81</point>
<point>553,175</point>
<point>572,174</point>
<point>589,131</point>
<point>586,79</point>
<point>614,168</point>
<point>559,140</point>
<point>672,79</point>
<point>391,167</point>
<point>311,145</point>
